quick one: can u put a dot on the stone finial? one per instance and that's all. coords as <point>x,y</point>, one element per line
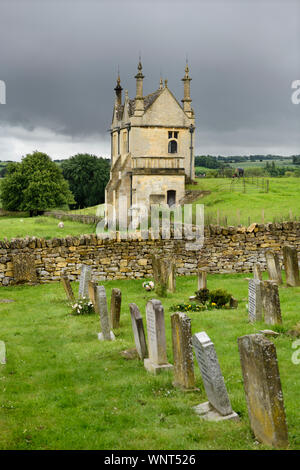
<point>166,83</point>
<point>118,89</point>
<point>161,83</point>
<point>186,92</point>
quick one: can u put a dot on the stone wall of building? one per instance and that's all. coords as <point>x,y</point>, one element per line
<point>226,249</point>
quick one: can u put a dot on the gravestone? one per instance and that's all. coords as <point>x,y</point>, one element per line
<point>182,351</point>
<point>218,407</point>
<point>273,266</point>
<point>271,303</point>
<point>202,283</point>
<point>263,390</point>
<point>255,300</point>
<point>115,307</point>
<point>85,277</point>
<point>101,301</point>
<point>68,288</point>
<point>164,274</point>
<point>92,287</point>
<point>138,331</point>
<point>24,268</point>
<point>157,360</point>
<point>291,267</point>
<point>257,272</point>
<point>2,353</point>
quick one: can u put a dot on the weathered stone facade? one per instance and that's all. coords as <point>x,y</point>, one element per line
<point>226,249</point>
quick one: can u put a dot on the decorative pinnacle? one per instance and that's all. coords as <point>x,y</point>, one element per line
<point>166,83</point>
<point>140,73</point>
<point>161,83</point>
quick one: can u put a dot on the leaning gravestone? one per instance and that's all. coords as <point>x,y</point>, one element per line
<point>68,288</point>
<point>2,353</point>
<point>101,301</point>
<point>24,268</point>
<point>291,267</point>
<point>202,283</point>
<point>218,407</point>
<point>115,307</point>
<point>255,306</point>
<point>273,267</point>
<point>164,274</point>
<point>157,360</point>
<point>263,390</point>
<point>257,272</point>
<point>182,351</point>
<point>271,303</point>
<point>138,331</point>
<point>85,277</point>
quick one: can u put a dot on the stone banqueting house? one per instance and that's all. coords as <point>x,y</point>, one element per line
<point>152,148</point>
<point>225,249</point>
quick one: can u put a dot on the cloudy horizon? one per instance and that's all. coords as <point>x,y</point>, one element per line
<point>59,61</point>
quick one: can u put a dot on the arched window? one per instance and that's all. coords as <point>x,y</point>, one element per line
<point>172,148</point>
<point>171,197</point>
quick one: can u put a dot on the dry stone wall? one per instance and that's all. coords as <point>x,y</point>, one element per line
<point>226,249</point>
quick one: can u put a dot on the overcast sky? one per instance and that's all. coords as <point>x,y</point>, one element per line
<point>59,60</point>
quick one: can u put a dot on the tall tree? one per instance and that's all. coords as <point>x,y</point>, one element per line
<point>87,176</point>
<point>34,185</point>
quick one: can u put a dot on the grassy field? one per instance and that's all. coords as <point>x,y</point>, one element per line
<point>280,203</point>
<point>41,227</point>
<point>63,389</point>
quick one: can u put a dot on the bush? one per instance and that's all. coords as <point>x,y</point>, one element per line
<point>83,307</point>
<point>202,295</point>
<point>219,297</point>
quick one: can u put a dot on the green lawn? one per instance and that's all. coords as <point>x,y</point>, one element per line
<point>280,203</point>
<point>40,227</point>
<point>64,389</point>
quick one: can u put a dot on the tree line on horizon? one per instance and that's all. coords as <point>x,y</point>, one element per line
<point>38,183</point>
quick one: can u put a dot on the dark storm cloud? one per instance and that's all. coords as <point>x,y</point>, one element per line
<point>59,60</point>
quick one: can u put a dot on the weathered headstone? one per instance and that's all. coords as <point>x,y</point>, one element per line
<point>271,303</point>
<point>255,300</point>
<point>291,267</point>
<point>115,307</point>
<point>85,277</point>
<point>92,289</point>
<point>68,288</point>
<point>157,360</point>
<point>24,268</point>
<point>263,390</point>
<point>164,274</point>
<point>2,353</point>
<point>273,266</point>
<point>182,351</point>
<point>219,406</point>
<point>202,283</point>
<point>138,331</point>
<point>101,301</point>
<point>257,272</point>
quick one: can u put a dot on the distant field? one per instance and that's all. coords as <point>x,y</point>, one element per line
<point>280,203</point>
<point>40,227</point>
<point>288,162</point>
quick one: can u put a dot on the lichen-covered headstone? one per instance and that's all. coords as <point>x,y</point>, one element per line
<point>164,274</point>
<point>157,360</point>
<point>263,390</point>
<point>255,306</point>
<point>271,303</point>
<point>182,351</point>
<point>24,268</point>
<point>68,288</point>
<point>273,267</point>
<point>85,277</point>
<point>138,331</point>
<point>291,267</point>
<point>115,307</point>
<point>2,353</point>
<point>101,300</point>
<point>219,406</point>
